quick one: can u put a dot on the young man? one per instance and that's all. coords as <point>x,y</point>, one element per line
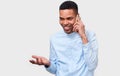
<point>73,51</point>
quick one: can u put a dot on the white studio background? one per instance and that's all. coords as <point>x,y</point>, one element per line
<point>26,26</point>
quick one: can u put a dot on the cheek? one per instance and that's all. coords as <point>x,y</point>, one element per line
<point>72,21</point>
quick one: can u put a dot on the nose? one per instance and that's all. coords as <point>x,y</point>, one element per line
<point>65,22</point>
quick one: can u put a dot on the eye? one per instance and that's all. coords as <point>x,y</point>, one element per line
<point>61,18</point>
<point>69,18</point>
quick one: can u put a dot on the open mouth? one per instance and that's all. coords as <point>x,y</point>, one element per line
<point>66,28</point>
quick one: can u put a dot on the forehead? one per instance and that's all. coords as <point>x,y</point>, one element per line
<point>67,13</point>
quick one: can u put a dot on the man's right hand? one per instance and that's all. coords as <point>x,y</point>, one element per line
<point>40,60</point>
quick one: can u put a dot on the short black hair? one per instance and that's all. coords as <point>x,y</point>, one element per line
<point>69,5</point>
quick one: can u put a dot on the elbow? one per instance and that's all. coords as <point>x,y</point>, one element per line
<point>93,65</point>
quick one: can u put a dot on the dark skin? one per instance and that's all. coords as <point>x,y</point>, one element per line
<point>71,22</point>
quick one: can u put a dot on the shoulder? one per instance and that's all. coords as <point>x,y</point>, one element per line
<point>56,35</point>
<point>90,34</point>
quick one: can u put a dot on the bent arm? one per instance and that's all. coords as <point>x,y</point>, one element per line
<point>90,50</point>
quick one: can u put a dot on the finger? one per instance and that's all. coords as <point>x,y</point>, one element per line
<point>75,29</point>
<point>81,23</point>
<point>75,24</point>
<point>35,57</point>
<point>78,18</point>
<point>39,61</point>
<point>32,61</point>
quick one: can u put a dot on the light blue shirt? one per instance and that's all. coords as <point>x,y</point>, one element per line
<point>70,57</point>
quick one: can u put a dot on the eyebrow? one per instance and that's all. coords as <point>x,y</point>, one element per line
<point>66,18</point>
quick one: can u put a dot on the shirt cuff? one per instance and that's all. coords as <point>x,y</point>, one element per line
<point>51,68</point>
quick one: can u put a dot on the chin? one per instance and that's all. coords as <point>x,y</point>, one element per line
<point>68,32</point>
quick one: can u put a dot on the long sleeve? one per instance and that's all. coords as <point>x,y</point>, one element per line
<point>91,52</point>
<point>69,57</point>
<point>52,68</point>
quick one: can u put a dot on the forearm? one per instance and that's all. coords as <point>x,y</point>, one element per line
<point>90,55</point>
<point>84,38</point>
<point>51,67</point>
<point>90,49</point>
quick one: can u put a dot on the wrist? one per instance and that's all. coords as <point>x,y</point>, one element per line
<point>84,39</point>
<point>47,65</point>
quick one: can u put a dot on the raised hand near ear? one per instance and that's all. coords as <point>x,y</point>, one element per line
<point>80,28</point>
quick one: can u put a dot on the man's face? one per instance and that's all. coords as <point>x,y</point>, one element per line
<point>67,20</point>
